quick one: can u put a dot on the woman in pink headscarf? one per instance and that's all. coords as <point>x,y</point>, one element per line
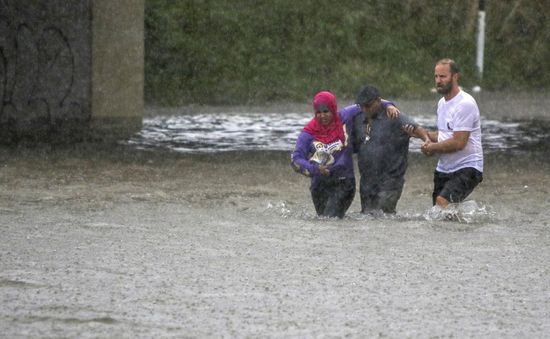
<point>322,153</point>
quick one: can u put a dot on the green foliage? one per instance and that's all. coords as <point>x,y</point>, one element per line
<point>236,51</point>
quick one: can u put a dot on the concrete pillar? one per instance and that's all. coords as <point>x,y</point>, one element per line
<point>70,70</point>
<point>117,67</point>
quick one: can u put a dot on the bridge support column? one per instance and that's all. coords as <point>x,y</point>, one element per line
<point>71,71</point>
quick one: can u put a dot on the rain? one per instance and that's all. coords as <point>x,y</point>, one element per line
<point>146,186</point>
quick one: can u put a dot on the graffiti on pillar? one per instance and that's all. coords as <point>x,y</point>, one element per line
<point>37,75</point>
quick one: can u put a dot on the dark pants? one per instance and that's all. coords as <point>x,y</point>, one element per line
<point>456,186</point>
<point>380,195</point>
<point>332,197</point>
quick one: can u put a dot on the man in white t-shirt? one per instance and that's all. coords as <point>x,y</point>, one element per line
<point>457,139</point>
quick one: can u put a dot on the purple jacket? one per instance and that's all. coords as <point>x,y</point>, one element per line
<point>343,164</point>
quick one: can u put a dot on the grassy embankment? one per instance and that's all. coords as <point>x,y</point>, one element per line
<point>236,52</point>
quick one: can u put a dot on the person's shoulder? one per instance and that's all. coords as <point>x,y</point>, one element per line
<point>348,113</point>
<point>304,134</point>
<point>350,109</point>
<point>304,140</point>
<point>467,103</point>
<point>467,98</point>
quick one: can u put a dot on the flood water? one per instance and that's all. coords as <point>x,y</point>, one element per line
<point>508,127</point>
<point>165,235</point>
<point>248,131</point>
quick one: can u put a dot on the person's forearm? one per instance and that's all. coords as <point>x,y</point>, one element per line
<point>447,146</point>
<point>433,136</point>
<point>421,133</point>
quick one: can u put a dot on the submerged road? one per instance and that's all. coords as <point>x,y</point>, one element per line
<point>123,243</point>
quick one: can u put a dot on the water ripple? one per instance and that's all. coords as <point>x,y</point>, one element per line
<point>199,133</point>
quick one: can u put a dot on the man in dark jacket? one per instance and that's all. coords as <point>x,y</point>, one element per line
<point>382,144</point>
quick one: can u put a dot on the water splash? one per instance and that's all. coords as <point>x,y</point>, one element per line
<point>279,208</point>
<point>467,212</point>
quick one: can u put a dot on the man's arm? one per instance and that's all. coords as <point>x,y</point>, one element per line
<point>355,109</point>
<point>433,135</point>
<point>454,144</point>
<point>421,134</point>
<point>417,132</point>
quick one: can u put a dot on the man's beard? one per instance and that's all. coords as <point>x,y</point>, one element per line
<point>445,89</point>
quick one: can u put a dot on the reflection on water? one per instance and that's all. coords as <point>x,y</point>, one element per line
<point>278,132</point>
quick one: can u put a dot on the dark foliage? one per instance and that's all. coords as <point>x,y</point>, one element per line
<point>236,51</point>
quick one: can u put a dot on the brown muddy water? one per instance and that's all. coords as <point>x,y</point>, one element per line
<point>114,242</point>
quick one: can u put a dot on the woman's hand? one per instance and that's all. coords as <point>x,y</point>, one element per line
<point>324,170</point>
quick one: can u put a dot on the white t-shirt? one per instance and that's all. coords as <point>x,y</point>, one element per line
<point>460,114</point>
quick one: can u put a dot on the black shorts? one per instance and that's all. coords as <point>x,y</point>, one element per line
<point>456,186</point>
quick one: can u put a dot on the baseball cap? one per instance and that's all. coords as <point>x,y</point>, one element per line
<point>367,94</point>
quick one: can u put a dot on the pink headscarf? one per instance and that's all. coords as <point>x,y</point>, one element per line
<point>326,133</point>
